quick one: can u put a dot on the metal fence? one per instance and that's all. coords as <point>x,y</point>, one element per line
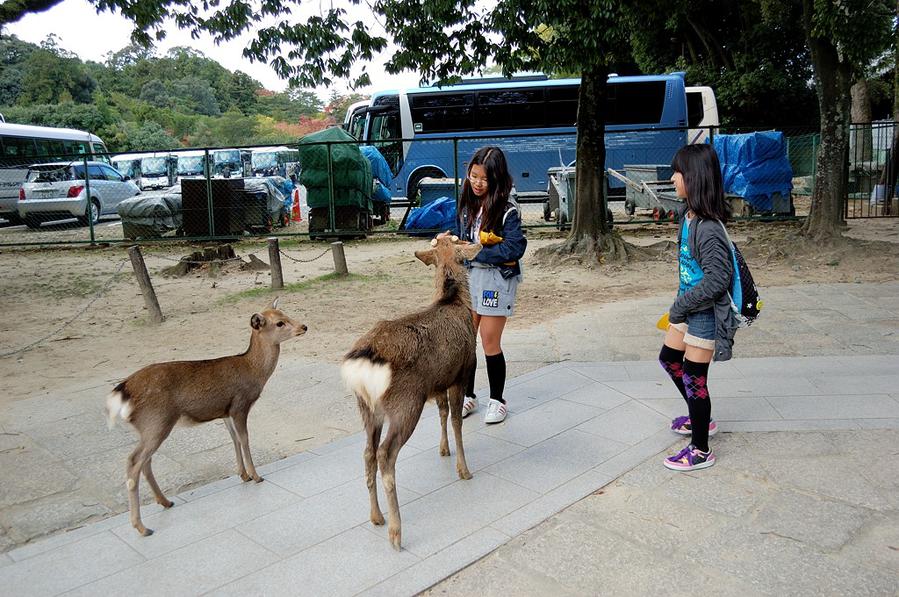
<point>223,193</point>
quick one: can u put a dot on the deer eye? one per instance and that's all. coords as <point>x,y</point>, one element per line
<point>280,324</point>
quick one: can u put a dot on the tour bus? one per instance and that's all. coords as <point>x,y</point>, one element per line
<point>230,162</point>
<point>354,120</point>
<point>128,165</point>
<point>191,163</point>
<point>22,144</point>
<point>531,118</point>
<point>148,170</point>
<point>274,161</point>
<point>702,114</point>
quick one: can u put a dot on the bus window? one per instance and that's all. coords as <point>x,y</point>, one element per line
<point>511,109</point>
<point>636,103</point>
<point>695,110</point>
<point>442,112</point>
<point>18,146</point>
<point>561,105</point>
<point>384,125</point>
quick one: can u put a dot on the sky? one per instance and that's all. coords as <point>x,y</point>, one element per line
<point>91,36</point>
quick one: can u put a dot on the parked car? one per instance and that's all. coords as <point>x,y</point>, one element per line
<point>59,190</point>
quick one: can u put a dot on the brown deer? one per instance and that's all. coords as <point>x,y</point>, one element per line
<point>398,365</point>
<point>158,396</point>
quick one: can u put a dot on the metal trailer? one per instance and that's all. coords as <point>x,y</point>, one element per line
<point>647,187</point>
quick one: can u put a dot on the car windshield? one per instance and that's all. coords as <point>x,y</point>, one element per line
<point>190,165</point>
<point>152,166</point>
<point>49,174</point>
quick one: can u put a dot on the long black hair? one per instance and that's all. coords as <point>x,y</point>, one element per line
<point>499,185</point>
<point>699,166</point>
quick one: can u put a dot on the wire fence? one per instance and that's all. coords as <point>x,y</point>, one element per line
<point>338,187</point>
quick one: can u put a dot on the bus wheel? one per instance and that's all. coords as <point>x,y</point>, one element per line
<point>415,181</point>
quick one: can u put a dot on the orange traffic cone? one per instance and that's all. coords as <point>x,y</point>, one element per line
<point>296,214</point>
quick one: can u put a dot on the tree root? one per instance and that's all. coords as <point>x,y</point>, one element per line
<point>609,249</point>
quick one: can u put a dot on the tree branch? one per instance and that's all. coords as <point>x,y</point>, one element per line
<point>13,10</point>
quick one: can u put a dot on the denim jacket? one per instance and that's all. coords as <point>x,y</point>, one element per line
<point>504,255</point>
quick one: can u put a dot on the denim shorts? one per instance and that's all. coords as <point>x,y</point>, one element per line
<point>699,329</point>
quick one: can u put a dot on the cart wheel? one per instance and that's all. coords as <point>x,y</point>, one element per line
<point>656,214</point>
<point>671,215</point>
<point>629,208</point>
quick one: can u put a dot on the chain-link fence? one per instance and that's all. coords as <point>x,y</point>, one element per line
<point>330,185</point>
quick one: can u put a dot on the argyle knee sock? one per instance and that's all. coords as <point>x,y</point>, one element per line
<point>698,401</point>
<point>672,362</point>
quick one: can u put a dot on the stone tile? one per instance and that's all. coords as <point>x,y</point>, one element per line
<point>873,406</point>
<point>321,473</point>
<point>441,518</point>
<point>857,384</point>
<point>761,386</point>
<point>601,372</point>
<point>779,367</point>
<point>722,491</point>
<point>191,570</point>
<point>628,424</point>
<point>182,525</point>
<point>824,523</point>
<point>69,566</point>
<point>723,409</point>
<point>795,425</point>
<point>597,395</point>
<point>426,471</point>
<point>355,439</point>
<point>420,576</point>
<point>50,513</point>
<point>875,544</point>
<point>22,415</point>
<point>645,390</point>
<point>530,392</point>
<point>541,422</point>
<point>556,460</point>
<point>80,435</point>
<point>343,565</point>
<point>303,524</point>
<point>879,423</point>
<point>46,475</point>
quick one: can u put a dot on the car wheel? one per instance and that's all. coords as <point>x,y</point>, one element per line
<point>93,214</point>
<point>32,222</point>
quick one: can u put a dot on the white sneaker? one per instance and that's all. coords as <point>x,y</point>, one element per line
<point>469,405</point>
<point>496,412</point>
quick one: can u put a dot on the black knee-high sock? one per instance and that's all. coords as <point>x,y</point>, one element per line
<point>698,401</point>
<point>496,373</point>
<point>672,361</point>
<point>469,387</point>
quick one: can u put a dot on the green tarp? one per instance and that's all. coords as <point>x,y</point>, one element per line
<point>350,169</point>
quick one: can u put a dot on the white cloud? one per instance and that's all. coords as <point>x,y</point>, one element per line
<point>91,36</point>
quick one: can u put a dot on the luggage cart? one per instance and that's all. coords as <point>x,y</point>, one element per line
<point>658,195</point>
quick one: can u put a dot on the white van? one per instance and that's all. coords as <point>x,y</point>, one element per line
<point>702,114</point>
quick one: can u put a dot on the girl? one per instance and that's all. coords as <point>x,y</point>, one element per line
<point>701,323</point>
<point>487,215</point>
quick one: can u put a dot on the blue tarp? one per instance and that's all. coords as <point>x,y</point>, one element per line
<point>379,167</point>
<point>381,193</point>
<point>439,214</point>
<point>755,166</point>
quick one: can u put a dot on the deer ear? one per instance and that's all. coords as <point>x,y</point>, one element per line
<point>257,321</point>
<point>428,257</point>
<point>275,303</point>
<point>468,251</point>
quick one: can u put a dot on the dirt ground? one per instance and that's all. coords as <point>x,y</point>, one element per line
<point>207,311</point>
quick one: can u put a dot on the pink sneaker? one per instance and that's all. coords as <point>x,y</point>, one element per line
<point>469,405</point>
<point>681,426</point>
<point>690,459</point>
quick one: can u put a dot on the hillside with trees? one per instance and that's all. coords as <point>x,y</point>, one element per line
<point>138,100</point>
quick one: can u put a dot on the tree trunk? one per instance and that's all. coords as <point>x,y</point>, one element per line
<point>590,208</point>
<point>832,82</point>
<point>890,173</point>
<point>861,123</point>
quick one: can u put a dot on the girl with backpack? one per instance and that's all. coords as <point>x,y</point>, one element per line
<point>702,322</point>
<point>488,215</point>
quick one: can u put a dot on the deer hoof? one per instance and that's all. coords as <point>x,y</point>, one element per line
<point>258,479</point>
<point>444,451</point>
<point>377,519</point>
<point>395,538</point>
<point>144,531</point>
<point>244,477</point>
<point>165,503</point>
<point>465,475</point>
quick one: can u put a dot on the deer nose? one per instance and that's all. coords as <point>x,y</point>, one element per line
<point>303,327</point>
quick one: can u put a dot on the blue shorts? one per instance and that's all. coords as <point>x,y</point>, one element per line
<point>699,329</point>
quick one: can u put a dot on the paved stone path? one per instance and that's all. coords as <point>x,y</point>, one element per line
<point>574,428</point>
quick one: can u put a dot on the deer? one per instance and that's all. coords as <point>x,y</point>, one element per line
<point>157,397</point>
<point>395,368</point>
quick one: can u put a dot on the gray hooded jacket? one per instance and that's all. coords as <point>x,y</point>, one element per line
<point>709,245</point>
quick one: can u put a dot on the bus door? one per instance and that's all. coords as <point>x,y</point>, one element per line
<point>385,131</point>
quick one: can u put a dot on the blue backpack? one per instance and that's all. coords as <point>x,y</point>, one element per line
<point>744,296</point>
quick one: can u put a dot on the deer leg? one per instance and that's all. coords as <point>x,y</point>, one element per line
<point>401,427</point>
<point>241,470</point>
<point>443,407</point>
<point>145,449</point>
<point>240,426</point>
<point>455,403</point>
<point>373,436</point>
<point>148,474</point>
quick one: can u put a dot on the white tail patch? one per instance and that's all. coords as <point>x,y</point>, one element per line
<point>117,408</point>
<point>367,380</point>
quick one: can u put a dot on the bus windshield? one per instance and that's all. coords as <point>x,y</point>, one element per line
<point>264,160</point>
<point>190,165</point>
<point>153,166</point>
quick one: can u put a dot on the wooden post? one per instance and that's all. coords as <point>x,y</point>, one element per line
<point>274,258</point>
<point>146,287</point>
<point>339,258</point>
